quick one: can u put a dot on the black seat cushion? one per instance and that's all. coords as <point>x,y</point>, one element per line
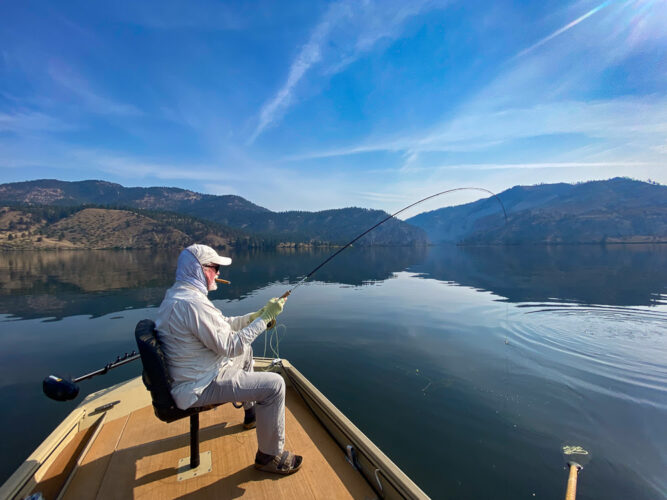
<point>156,376</point>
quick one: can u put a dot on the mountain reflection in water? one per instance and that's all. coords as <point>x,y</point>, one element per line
<point>625,275</point>
<point>60,284</point>
<point>481,360</point>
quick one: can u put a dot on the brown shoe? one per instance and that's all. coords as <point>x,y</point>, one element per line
<point>286,463</point>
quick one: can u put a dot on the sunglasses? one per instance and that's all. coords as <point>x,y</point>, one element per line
<point>213,266</point>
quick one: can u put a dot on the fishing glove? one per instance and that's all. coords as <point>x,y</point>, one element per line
<point>256,314</point>
<point>272,309</point>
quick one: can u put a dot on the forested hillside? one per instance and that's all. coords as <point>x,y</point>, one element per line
<point>255,225</point>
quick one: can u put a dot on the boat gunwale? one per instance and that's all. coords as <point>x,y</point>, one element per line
<point>399,481</point>
<point>43,455</point>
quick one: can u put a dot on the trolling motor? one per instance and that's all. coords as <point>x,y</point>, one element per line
<point>63,389</point>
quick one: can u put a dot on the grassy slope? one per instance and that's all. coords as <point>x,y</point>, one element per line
<point>98,228</point>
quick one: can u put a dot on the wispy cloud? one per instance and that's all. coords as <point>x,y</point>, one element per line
<point>621,118</point>
<point>92,100</point>
<point>309,55</point>
<point>47,153</point>
<point>619,121</point>
<point>391,144</point>
<point>534,166</point>
<point>347,31</point>
<point>134,166</point>
<point>382,197</point>
<point>563,29</point>
<point>31,121</point>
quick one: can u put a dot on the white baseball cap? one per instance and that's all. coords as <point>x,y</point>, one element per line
<point>206,255</point>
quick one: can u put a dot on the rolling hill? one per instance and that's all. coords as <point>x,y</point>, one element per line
<point>319,228</point>
<point>40,227</point>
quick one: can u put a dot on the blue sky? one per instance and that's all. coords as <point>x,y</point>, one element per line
<point>314,105</point>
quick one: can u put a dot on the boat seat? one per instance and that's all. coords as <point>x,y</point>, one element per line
<point>157,380</point>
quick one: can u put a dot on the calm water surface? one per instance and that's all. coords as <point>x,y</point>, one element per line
<point>469,367</point>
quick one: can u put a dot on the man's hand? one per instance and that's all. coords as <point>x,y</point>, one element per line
<point>272,309</point>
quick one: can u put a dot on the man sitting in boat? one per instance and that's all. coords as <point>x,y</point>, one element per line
<point>209,356</point>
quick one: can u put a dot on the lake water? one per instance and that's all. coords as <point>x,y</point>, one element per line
<point>469,367</point>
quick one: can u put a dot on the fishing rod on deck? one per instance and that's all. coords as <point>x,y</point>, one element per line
<point>62,389</point>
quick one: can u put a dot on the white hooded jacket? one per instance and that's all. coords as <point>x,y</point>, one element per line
<point>198,341</point>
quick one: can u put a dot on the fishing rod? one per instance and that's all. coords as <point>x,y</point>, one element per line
<point>289,292</point>
<point>62,389</point>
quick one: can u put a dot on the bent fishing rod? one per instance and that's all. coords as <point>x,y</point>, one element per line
<point>289,292</point>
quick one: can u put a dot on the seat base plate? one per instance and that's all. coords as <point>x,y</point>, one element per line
<point>185,472</point>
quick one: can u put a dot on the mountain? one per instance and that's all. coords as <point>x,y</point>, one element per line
<point>33,227</point>
<point>618,210</point>
<point>228,209</point>
<point>326,227</point>
<point>336,226</point>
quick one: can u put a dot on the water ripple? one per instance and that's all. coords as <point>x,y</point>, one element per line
<point>619,351</point>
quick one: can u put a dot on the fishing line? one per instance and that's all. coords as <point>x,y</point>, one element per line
<point>289,292</point>
<point>272,340</point>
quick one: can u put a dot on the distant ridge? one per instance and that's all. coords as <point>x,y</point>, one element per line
<point>229,209</point>
<point>618,210</point>
<point>318,228</point>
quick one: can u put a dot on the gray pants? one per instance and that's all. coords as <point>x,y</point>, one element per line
<point>263,389</point>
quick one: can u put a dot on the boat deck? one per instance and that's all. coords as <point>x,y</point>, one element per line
<point>137,455</point>
<point>113,446</point>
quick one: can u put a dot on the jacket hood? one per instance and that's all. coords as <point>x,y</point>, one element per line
<point>188,269</point>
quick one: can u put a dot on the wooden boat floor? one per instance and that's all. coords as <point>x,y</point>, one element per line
<point>137,456</point>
